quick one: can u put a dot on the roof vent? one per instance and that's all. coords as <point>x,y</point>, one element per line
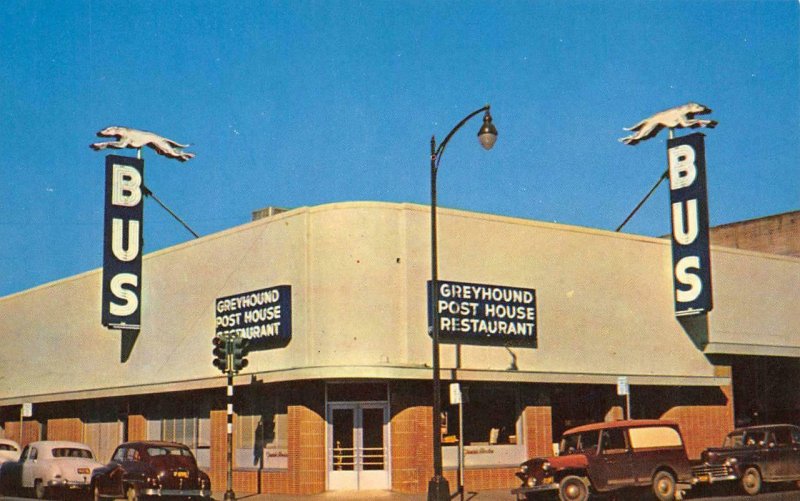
<point>267,212</point>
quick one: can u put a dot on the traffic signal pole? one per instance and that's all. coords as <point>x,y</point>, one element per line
<point>229,357</point>
<point>229,494</point>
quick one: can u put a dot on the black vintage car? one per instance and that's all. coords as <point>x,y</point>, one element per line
<point>149,468</point>
<point>753,456</point>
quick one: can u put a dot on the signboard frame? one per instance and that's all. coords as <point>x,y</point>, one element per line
<point>122,257</point>
<point>485,314</point>
<point>263,316</point>
<point>691,255</point>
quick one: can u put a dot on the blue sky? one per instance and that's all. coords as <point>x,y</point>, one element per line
<point>303,103</point>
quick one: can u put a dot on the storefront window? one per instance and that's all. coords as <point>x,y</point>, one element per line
<point>181,430</point>
<point>261,435</point>
<point>491,413</point>
<point>186,423</point>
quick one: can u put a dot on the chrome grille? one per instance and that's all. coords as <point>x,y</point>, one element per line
<point>713,470</point>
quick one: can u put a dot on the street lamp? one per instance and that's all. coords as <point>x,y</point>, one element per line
<point>438,487</point>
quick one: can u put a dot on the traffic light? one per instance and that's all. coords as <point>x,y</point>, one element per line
<point>220,353</point>
<point>240,350</point>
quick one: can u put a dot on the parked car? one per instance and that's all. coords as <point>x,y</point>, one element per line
<point>752,456</point>
<point>150,468</point>
<point>9,450</point>
<point>605,457</point>
<point>49,467</point>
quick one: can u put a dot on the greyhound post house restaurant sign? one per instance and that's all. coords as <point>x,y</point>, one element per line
<point>540,321</point>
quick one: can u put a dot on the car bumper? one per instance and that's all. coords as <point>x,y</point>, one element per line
<point>68,484</point>
<point>710,479</point>
<point>177,492</point>
<point>536,488</point>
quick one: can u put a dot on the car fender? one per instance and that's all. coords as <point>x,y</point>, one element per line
<point>671,470</point>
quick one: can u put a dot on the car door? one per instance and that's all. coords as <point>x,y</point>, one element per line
<point>772,465</point>
<point>612,467</point>
<point>781,453</point>
<point>794,455</point>
<point>29,467</point>
<point>113,483</point>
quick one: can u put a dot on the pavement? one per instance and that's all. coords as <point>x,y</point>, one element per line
<point>493,495</point>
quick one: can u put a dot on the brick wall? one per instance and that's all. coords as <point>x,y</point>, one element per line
<point>31,431</point>
<point>306,450</point>
<point>705,426</point>
<point>65,429</point>
<point>137,428</point>
<point>219,448</point>
<point>483,479</point>
<point>779,234</point>
<point>539,430</point>
<point>412,445</point>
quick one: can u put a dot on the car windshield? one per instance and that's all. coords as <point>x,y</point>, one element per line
<point>72,452</point>
<point>7,447</point>
<point>579,442</point>
<point>166,450</point>
<point>755,438</point>
<point>733,440</point>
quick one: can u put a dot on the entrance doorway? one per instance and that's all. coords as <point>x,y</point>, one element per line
<point>357,446</point>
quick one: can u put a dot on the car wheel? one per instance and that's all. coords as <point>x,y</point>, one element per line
<point>664,486</point>
<point>39,490</point>
<point>751,481</point>
<point>572,488</point>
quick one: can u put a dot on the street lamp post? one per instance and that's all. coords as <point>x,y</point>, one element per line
<point>438,487</point>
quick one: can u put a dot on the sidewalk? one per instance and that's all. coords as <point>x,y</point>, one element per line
<point>494,495</point>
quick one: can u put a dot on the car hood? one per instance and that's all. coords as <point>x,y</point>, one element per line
<point>714,455</point>
<point>559,462</point>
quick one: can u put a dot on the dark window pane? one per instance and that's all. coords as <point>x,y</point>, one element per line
<point>356,392</point>
<point>343,447</point>
<point>372,438</point>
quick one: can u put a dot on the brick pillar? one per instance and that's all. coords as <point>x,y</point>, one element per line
<point>219,450</point>
<point>31,431</point>
<point>705,425</point>
<point>412,446</point>
<point>538,430</point>
<point>65,429</point>
<point>137,427</point>
<point>306,450</point>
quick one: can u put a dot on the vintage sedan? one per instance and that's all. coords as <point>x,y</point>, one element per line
<point>49,468</point>
<point>752,456</point>
<point>149,468</point>
<point>9,450</point>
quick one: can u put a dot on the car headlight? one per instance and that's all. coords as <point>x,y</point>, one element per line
<point>523,469</point>
<point>531,481</point>
<point>546,466</point>
<point>731,461</point>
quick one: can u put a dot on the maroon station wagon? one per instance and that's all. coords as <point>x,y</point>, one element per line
<point>605,457</point>
<point>150,469</point>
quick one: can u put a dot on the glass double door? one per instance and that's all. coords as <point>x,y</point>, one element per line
<point>357,446</point>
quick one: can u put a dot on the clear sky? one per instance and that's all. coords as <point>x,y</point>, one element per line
<point>298,103</point>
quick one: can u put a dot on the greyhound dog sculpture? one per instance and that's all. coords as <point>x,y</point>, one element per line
<point>678,117</point>
<point>134,138</point>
